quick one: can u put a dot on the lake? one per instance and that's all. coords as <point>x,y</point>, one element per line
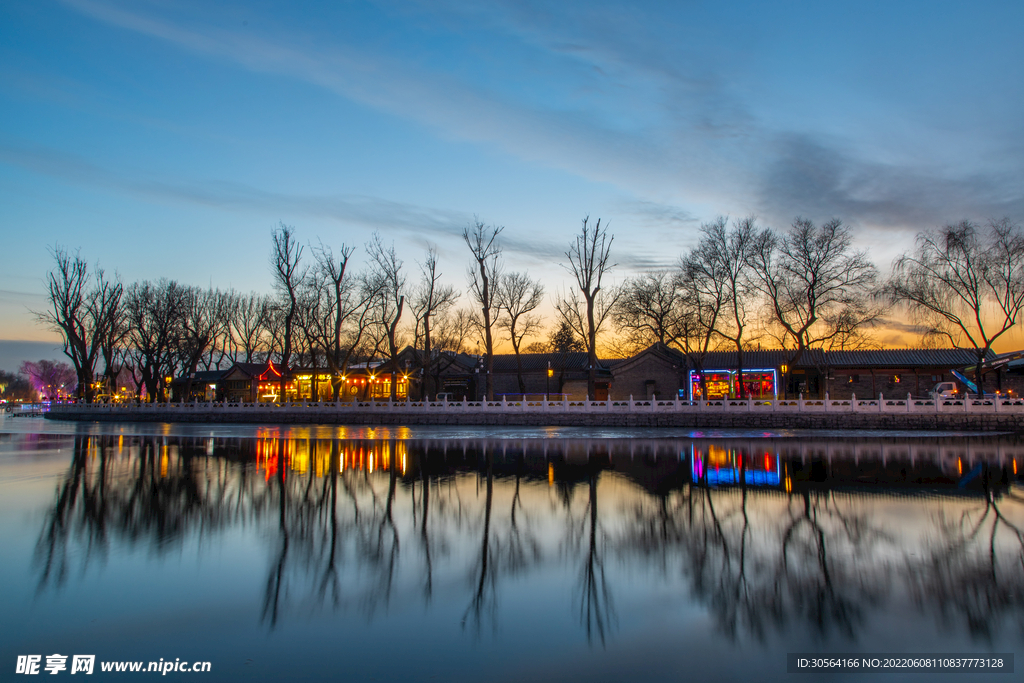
<point>505,554</point>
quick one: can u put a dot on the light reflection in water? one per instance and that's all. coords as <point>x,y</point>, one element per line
<point>770,535</point>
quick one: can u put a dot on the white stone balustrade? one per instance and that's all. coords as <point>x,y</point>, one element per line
<point>881,404</point>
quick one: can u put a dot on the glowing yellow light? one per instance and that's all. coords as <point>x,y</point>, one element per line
<point>959,466</point>
<point>551,474</point>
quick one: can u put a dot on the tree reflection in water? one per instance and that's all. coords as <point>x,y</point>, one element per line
<point>809,551</point>
<point>973,569</point>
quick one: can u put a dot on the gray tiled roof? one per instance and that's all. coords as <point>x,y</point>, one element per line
<point>538,362</point>
<point>209,375</point>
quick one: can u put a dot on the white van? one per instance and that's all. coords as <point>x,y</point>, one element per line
<point>944,390</point>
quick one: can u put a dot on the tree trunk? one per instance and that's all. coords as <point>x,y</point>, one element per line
<point>591,348</point>
<point>739,371</point>
<point>426,388</point>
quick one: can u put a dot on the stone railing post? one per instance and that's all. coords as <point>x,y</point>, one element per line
<point>800,402</point>
<point>881,401</point>
<point>828,408</point>
<point>909,401</point>
<point>853,402</point>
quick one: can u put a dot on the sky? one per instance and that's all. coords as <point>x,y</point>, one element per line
<point>168,139</point>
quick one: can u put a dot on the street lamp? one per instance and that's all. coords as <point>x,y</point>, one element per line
<point>547,383</point>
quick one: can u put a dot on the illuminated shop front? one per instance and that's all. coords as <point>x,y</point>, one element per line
<point>325,390</point>
<point>375,387</point>
<point>717,466</point>
<point>268,385</point>
<point>725,384</point>
<point>357,385</point>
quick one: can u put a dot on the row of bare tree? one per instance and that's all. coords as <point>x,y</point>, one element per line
<point>809,288</point>
<point>742,285</point>
<point>322,315</point>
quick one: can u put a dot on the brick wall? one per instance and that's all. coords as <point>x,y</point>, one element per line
<point>645,376</point>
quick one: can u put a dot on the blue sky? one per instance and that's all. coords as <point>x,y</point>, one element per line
<point>168,139</point>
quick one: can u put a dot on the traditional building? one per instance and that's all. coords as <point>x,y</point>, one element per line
<point>550,374</point>
<point>666,372</point>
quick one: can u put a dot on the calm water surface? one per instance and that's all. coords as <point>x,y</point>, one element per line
<point>443,554</point>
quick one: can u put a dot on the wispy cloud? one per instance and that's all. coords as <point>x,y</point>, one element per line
<point>372,212</point>
<point>822,180</point>
<point>644,112</point>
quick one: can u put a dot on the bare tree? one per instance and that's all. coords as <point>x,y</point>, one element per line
<point>966,284</point>
<point>572,315</point>
<point>517,296</point>
<point>203,314</point>
<point>452,329</point>
<point>649,310</point>
<point>107,305</point>
<point>818,287</point>
<point>722,256</point>
<point>430,300</point>
<point>154,312</point>
<point>703,300</point>
<point>343,304</point>
<point>285,261</point>
<point>250,317</point>
<point>588,258</point>
<point>84,310</point>
<point>388,282</point>
<point>314,321</point>
<point>483,274</point>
